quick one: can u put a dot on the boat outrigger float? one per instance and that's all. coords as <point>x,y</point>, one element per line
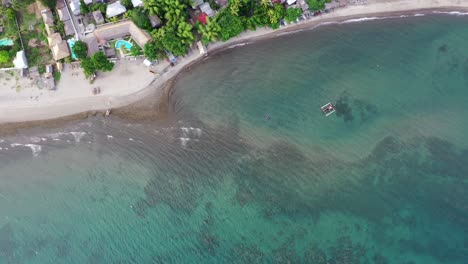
<point>328,109</point>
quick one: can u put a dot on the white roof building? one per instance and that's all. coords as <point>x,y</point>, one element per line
<point>88,2</point>
<point>75,7</point>
<point>136,3</point>
<point>115,9</point>
<point>20,61</point>
<point>290,2</point>
<point>206,8</point>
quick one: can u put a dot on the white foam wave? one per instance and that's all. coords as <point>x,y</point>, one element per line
<point>131,139</point>
<point>183,141</point>
<point>35,139</point>
<point>239,45</point>
<point>198,132</point>
<point>362,19</point>
<point>36,149</point>
<point>419,15</point>
<point>78,135</point>
<point>455,13</point>
<point>110,136</point>
<point>56,135</point>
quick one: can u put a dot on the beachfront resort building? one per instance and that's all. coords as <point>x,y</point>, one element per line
<point>101,36</point>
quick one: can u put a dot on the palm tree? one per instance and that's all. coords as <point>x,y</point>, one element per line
<point>210,31</point>
<point>184,32</point>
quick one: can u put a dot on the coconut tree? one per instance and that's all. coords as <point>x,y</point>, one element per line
<point>210,32</point>
<point>184,32</point>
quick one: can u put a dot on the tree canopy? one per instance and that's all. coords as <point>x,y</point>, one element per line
<point>49,3</point>
<point>97,62</point>
<point>80,49</point>
<point>4,56</point>
<point>292,14</point>
<point>140,17</point>
<point>127,3</point>
<point>209,32</point>
<point>230,24</point>
<point>153,50</point>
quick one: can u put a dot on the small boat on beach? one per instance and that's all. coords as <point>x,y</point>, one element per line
<point>328,109</point>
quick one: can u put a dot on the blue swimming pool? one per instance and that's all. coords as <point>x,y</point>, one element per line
<point>127,45</point>
<point>6,42</point>
<point>71,43</point>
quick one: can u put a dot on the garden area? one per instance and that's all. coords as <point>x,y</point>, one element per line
<point>34,37</point>
<point>9,40</point>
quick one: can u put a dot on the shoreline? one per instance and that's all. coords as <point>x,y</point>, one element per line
<point>150,103</point>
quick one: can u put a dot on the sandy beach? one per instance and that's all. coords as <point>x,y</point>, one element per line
<point>130,81</point>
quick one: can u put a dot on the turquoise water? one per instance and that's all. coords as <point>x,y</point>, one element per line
<point>6,42</point>
<point>127,45</point>
<point>383,180</point>
<point>71,43</point>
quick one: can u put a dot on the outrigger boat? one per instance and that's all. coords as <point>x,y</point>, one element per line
<point>328,109</point>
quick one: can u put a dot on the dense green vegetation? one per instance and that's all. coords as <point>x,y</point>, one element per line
<point>49,3</point>
<point>292,14</point>
<point>4,56</point>
<point>97,62</point>
<point>80,49</point>
<point>317,4</point>
<point>140,17</point>
<point>177,35</point>
<point>209,32</point>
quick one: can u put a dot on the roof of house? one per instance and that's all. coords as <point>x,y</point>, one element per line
<point>68,27</point>
<point>75,7</point>
<point>290,2</point>
<point>121,29</point>
<point>154,20</point>
<point>49,29</point>
<point>196,3</point>
<point>6,3</point>
<point>202,18</point>
<point>206,8</point>
<point>98,17</point>
<point>60,51</point>
<point>20,60</point>
<point>47,17</point>
<point>59,4</point>
<point>109,52</point>
<point>136,3</point>
<point>63,14</point>
<point>88,2</point>
<point>92,43</point>
<point>115,9</point>
<point>54,39</point>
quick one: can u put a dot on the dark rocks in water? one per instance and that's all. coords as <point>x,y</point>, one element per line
<point>343,109</point>
<point>443,48</point>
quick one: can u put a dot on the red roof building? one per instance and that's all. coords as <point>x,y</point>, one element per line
<point>202,18</point>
